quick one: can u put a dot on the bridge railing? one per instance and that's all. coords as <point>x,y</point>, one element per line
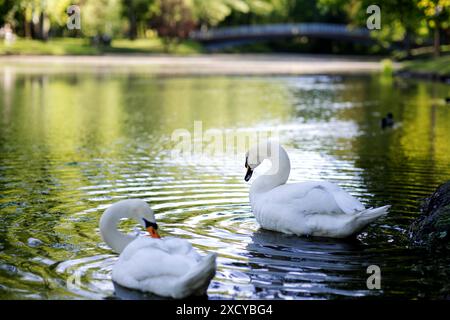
<point>274,30</point>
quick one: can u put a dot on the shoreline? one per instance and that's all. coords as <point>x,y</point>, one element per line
<point>425,76</point>
<point>202,64</point>
<point>430,69</point>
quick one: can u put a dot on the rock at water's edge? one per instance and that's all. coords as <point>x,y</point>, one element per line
<point>432,228</point>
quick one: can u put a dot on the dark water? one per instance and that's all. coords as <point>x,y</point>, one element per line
<point>72,144</point>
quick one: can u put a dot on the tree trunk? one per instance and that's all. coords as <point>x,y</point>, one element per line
<point>42,31</point>
<point>27,28</point>
<point>437,41</point>
<point>132,34</point>
<point>36,30</point>
<point>408,44</point>
<point>132,20</point>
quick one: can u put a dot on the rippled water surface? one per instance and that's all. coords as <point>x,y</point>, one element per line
<point>74,143</point>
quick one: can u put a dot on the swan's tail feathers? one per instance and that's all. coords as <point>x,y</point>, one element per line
<point>369,215</point>
<point>197,280</point>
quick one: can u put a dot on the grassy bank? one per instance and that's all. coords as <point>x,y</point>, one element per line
<point>77,46</point>
<point>436,66</point>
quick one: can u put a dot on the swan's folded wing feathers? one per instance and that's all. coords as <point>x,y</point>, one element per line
<point>344,201</point>
<point>315,197</point>
<point>347,203</point>
<point>141,243</point>
<point>146,259</point>
<point>180,246</point>
<point>157,263</point>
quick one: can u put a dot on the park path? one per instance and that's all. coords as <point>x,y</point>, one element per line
<point>220,64</point>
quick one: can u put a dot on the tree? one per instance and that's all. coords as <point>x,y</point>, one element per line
<point>5,8</point>
<point>407,13</point>
<point>172,20</point>
<point>213,12</point>
<point>34,18</point>
<point>101,17</point>
<point>437,13</point>
<point>402,20</point>
<point>136,12</point>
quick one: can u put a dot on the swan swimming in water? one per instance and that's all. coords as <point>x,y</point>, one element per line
<point>314,208</point>
<point>168,267</point>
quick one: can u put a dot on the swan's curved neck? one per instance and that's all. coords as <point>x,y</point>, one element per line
<point>277,175</point>
<point>108,229</point>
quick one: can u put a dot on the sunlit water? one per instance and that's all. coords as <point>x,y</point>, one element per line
<point>74,143</point>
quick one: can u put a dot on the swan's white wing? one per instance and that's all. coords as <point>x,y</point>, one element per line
<point>312,208</point>
<point>314,197</point>
<point>151,264</point>
<point>347,202</point>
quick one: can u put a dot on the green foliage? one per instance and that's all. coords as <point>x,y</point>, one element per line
<point>213,12</point>
<point>435,10</point>
<point>56,10</point>
<point>137,12</point>
<point>172,20</point>
<point>406,22</point>
<point>5,8</point>
<point>387,68</point>
<point>101,17</point>
<point>402,20</point>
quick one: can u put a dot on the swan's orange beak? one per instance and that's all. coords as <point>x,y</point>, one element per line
<point>153,233</point>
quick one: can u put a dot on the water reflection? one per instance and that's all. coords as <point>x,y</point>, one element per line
<point>72,144</point>
<point>287,266</point>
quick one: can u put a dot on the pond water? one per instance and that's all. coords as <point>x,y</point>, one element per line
<point>72,144</point>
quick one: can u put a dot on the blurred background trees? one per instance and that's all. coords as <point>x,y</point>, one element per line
<point>172,19</point>
<point>410,22</point>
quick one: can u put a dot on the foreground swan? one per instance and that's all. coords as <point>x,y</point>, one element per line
<point>316,208</point>
<point>168,267</point>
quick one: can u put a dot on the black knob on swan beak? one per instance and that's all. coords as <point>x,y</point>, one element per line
<point>249,173</point>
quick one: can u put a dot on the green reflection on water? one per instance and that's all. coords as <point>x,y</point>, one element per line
<point>71,144</point>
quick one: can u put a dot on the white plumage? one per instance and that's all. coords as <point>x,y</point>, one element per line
<point>316,208</point>
<point>168,267</point>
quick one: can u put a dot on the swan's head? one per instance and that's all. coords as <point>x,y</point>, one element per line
<point>143,214</point>
<point>257,154</point>
<point>250,164</point>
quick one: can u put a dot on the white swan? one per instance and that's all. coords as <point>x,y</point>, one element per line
<point>168,267</point>
<point>316,208</point>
